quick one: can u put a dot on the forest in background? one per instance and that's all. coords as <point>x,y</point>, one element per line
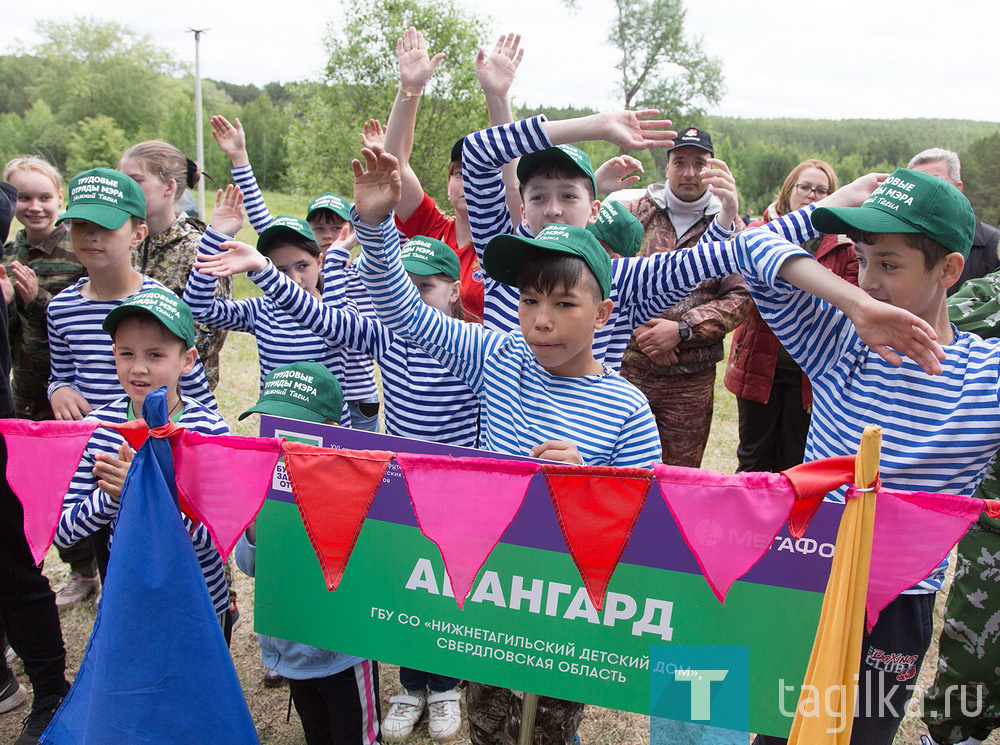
<point>91,88</point>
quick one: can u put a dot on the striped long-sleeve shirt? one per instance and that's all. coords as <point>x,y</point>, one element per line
<point>281,340</point>
<point>87,509</point>
<point>939,432</point>
<point>80,350</point>
<point>423,399</point>
<point>522,405</point>
<point>641,288</point>
<point>358,377</point>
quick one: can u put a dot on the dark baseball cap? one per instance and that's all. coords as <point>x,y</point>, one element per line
<point>694,137</point>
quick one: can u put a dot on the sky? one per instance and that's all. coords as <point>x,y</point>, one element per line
<point>838,59</point>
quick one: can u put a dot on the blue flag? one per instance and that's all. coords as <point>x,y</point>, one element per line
<point>156,669</point>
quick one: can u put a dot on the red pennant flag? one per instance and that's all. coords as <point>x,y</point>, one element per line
<point>464,505</point>
<point>597,508</point>
<point>812,482</point>
<point>334,489</point>
<point>914,532</point>
<point>41,460</point>
<point>222,481</point>
<point>704,503</point>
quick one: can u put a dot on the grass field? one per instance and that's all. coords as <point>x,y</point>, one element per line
<point>237,391</point>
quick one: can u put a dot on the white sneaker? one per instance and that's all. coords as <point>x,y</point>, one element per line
<point>12,694</point>
<point>444,717</point>
<point>404,713</point>
<point>74,592</point>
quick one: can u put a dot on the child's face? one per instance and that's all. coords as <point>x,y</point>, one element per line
<point>895,273</point>
<point>38,201</point>
<point>159,193</point>
<point>564,201</point>
<point>100,249</point>
<point>147,356</point>
<point>301,266</point>
<point>327,226</point>
<point>559,327</point>
<point>456,190</point>
<point>684,167</point>
<point>436,291</point>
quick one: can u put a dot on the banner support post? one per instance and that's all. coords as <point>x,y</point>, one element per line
<point>529,705</point>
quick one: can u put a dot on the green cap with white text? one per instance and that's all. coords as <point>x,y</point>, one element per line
<point>504,254</point>
<point>566,154</point>
<point>908,202</point>
<point>330,201</point>
<point>306,391</point>
<point>161,304</point>
<point>282,226</point>
<point>106,197</point>
<point>424,256</point>
<point>619,228</point>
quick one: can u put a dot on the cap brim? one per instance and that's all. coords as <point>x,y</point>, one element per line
<point>104,215</point>
<point>837,220</point>
<point>422,268</point>
<point>504,255</point>
<point>284,409</point>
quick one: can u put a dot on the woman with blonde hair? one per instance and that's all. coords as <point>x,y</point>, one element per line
<point>773,395</point>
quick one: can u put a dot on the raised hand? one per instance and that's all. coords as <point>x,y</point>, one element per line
<point>377,185</point>
<point>232,140</point>
<point>496,70</point>
<point>237,259</point>
<point>111,471</point>
<point>372,134</point>
<point>415,66</point>
<point>720,181</point>
<point>637,130</point>
<point>854,193</point>
<point>227,215</point>
<point>614,174</point>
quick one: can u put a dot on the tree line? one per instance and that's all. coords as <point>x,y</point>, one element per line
<point>91,88</point>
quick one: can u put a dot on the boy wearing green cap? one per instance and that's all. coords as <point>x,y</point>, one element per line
<point>106,216</point>
<point>939,431</point>
<point>152,336</point>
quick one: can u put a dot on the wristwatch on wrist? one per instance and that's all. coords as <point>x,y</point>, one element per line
<point>684,331</point>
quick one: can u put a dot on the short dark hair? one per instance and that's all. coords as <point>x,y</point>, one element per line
<point>147,319</point>
<point>558,169</point>
<point>932,251</point>
<point>325,215</point>
<point>544,271</point>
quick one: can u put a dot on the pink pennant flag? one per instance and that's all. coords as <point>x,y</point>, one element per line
<point>41,460</point>
<point>222,481</point>
<point>464,506</point>
<point>710,507</point>
<point>914,532</point>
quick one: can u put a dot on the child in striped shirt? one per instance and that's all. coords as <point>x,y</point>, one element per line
<point>292,246</point>
<point>327,215</point>
<point>106,212</point>
<point>153,337</point>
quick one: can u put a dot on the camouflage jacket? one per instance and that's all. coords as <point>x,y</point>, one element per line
<point>167,258</point>
<point>57,268</point>
<point>712,310</point>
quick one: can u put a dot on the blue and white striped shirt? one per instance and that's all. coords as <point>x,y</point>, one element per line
<point>86,509</point>
<point>522,405</point>
<point>80,350</point>
<point>281,340</point>
<point>641,288</point>
<point>423,399</point>
<point>358,377</point>
<point>939,433</point>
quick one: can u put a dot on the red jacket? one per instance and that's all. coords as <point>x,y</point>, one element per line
<point>753,354</point>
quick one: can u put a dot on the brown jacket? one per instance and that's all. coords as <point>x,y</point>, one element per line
<point>712,310</point>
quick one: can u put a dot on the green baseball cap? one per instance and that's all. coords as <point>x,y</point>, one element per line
<point>282,226</point>
<point>504,254</point>
<point>161,304</point>
<point>619,228</point>
<point>105,197</point>
<point>422,255</point>
<point>306,391</point>
<point>908,202</point>
<point>330,201</point>
<point>567,154</point>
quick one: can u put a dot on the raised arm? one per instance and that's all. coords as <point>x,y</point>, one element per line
<point>495,72</point>
<point>232,140</point>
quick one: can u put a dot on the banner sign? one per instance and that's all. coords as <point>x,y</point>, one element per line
<point>528,623</point>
